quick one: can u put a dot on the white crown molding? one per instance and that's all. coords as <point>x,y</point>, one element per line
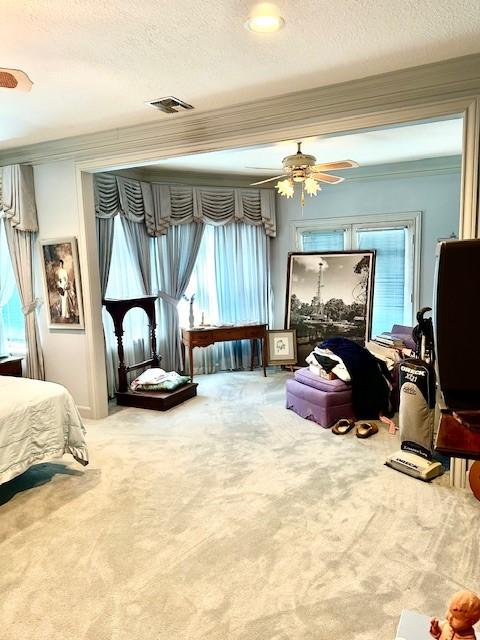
<point>412,169</point>
<point>408,169</point>
<point>200,178</point>
<point>272,118</point>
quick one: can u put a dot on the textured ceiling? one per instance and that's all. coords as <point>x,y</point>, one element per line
<point>380,146</point>
<point>94,64</point>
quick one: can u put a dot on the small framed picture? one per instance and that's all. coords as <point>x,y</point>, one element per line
<point>282,346</point>
<point>61,279</point>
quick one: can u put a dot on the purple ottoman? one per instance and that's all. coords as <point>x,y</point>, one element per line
<point>317,399</point>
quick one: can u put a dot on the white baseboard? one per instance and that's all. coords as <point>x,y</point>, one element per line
<point>85,412</point>
<point>458,473</point>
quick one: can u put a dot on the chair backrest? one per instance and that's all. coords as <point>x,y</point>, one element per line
<point>404,332</point>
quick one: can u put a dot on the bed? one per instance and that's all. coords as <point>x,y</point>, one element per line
<point>38,421</point>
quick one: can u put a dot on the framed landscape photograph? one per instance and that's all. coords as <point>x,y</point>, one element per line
<point>329,295</point>
<point>61,279</point>
<point>282,346</point>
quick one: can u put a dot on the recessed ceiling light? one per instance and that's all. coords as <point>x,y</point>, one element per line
<point>264,18</point>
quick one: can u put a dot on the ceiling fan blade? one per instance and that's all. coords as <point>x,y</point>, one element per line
<point>264,168</point>
<point>326,177</point>
<point>253,184</point>
<point>330,166</point>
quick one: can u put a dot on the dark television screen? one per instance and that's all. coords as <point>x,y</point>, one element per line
<point>457,322</point>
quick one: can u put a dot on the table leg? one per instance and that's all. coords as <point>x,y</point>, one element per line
<point>252,343</point>
<point>264,355</point>
<point>190,356</point>
<point>182,347</point>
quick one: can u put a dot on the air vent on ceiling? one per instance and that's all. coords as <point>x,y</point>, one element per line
<point>170,104</point>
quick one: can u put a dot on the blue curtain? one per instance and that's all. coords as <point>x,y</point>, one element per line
<point>202,286</point>
<point>231,283</point>
<point>174,257</point>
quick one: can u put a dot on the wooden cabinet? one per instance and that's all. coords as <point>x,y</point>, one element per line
<point>11,366</point>
<point>457,440</point>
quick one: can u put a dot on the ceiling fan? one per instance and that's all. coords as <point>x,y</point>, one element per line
<point>14,79</point>
<point>300,167</point>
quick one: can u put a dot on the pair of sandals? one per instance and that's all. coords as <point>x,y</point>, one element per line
<point>363,430</point>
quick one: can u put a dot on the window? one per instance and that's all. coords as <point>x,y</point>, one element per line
<point>389,304</point>
<point>12,320</point>
<point>323,240</point>
<point>395,265</point>
<point>200,284</point>
<point>13,324</point>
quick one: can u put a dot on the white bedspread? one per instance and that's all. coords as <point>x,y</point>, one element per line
<point>38,421</point>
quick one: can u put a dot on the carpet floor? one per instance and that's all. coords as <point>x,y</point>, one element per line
<point>228,518</point>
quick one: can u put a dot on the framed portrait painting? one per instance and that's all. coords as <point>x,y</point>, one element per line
<point>61,279</point>
<point>282,346</point>
<point>329,294</point>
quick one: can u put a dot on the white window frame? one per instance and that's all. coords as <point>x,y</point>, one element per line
<point>411,220</point>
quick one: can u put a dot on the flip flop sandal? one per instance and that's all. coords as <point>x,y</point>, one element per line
<point>366,429</point>
<point>343,426</point>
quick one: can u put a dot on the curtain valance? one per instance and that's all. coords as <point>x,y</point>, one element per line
<point>17,197</point>
<point>160,205</point>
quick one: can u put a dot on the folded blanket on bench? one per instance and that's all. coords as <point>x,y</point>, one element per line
<point>158,380</point>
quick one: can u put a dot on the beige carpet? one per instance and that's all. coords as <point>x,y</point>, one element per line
<point>228,518</point>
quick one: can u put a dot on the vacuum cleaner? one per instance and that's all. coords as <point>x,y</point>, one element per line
<point>417,407</point>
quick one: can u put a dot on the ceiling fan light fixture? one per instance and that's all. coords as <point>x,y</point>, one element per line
<point>285,188</point>
<point>264,18</point>
<point>312,187</point>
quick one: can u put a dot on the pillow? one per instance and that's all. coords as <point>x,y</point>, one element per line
<point>174,381</point>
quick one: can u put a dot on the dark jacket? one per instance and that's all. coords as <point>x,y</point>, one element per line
<point>370,388</point>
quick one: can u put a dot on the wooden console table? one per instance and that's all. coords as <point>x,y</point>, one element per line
<point>11,366</point>
<point>456,440</point>
<point>203,337</point>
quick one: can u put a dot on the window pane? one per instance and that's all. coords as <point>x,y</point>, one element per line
<point>323,240</point>
<point>389,291</point>
<point>12,320</point>
<point>200,284</point>
<point>123,278</point>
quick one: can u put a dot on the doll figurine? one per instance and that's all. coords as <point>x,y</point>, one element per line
<point>463,612</point>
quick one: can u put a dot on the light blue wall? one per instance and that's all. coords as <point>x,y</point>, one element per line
<point>431,186</point>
